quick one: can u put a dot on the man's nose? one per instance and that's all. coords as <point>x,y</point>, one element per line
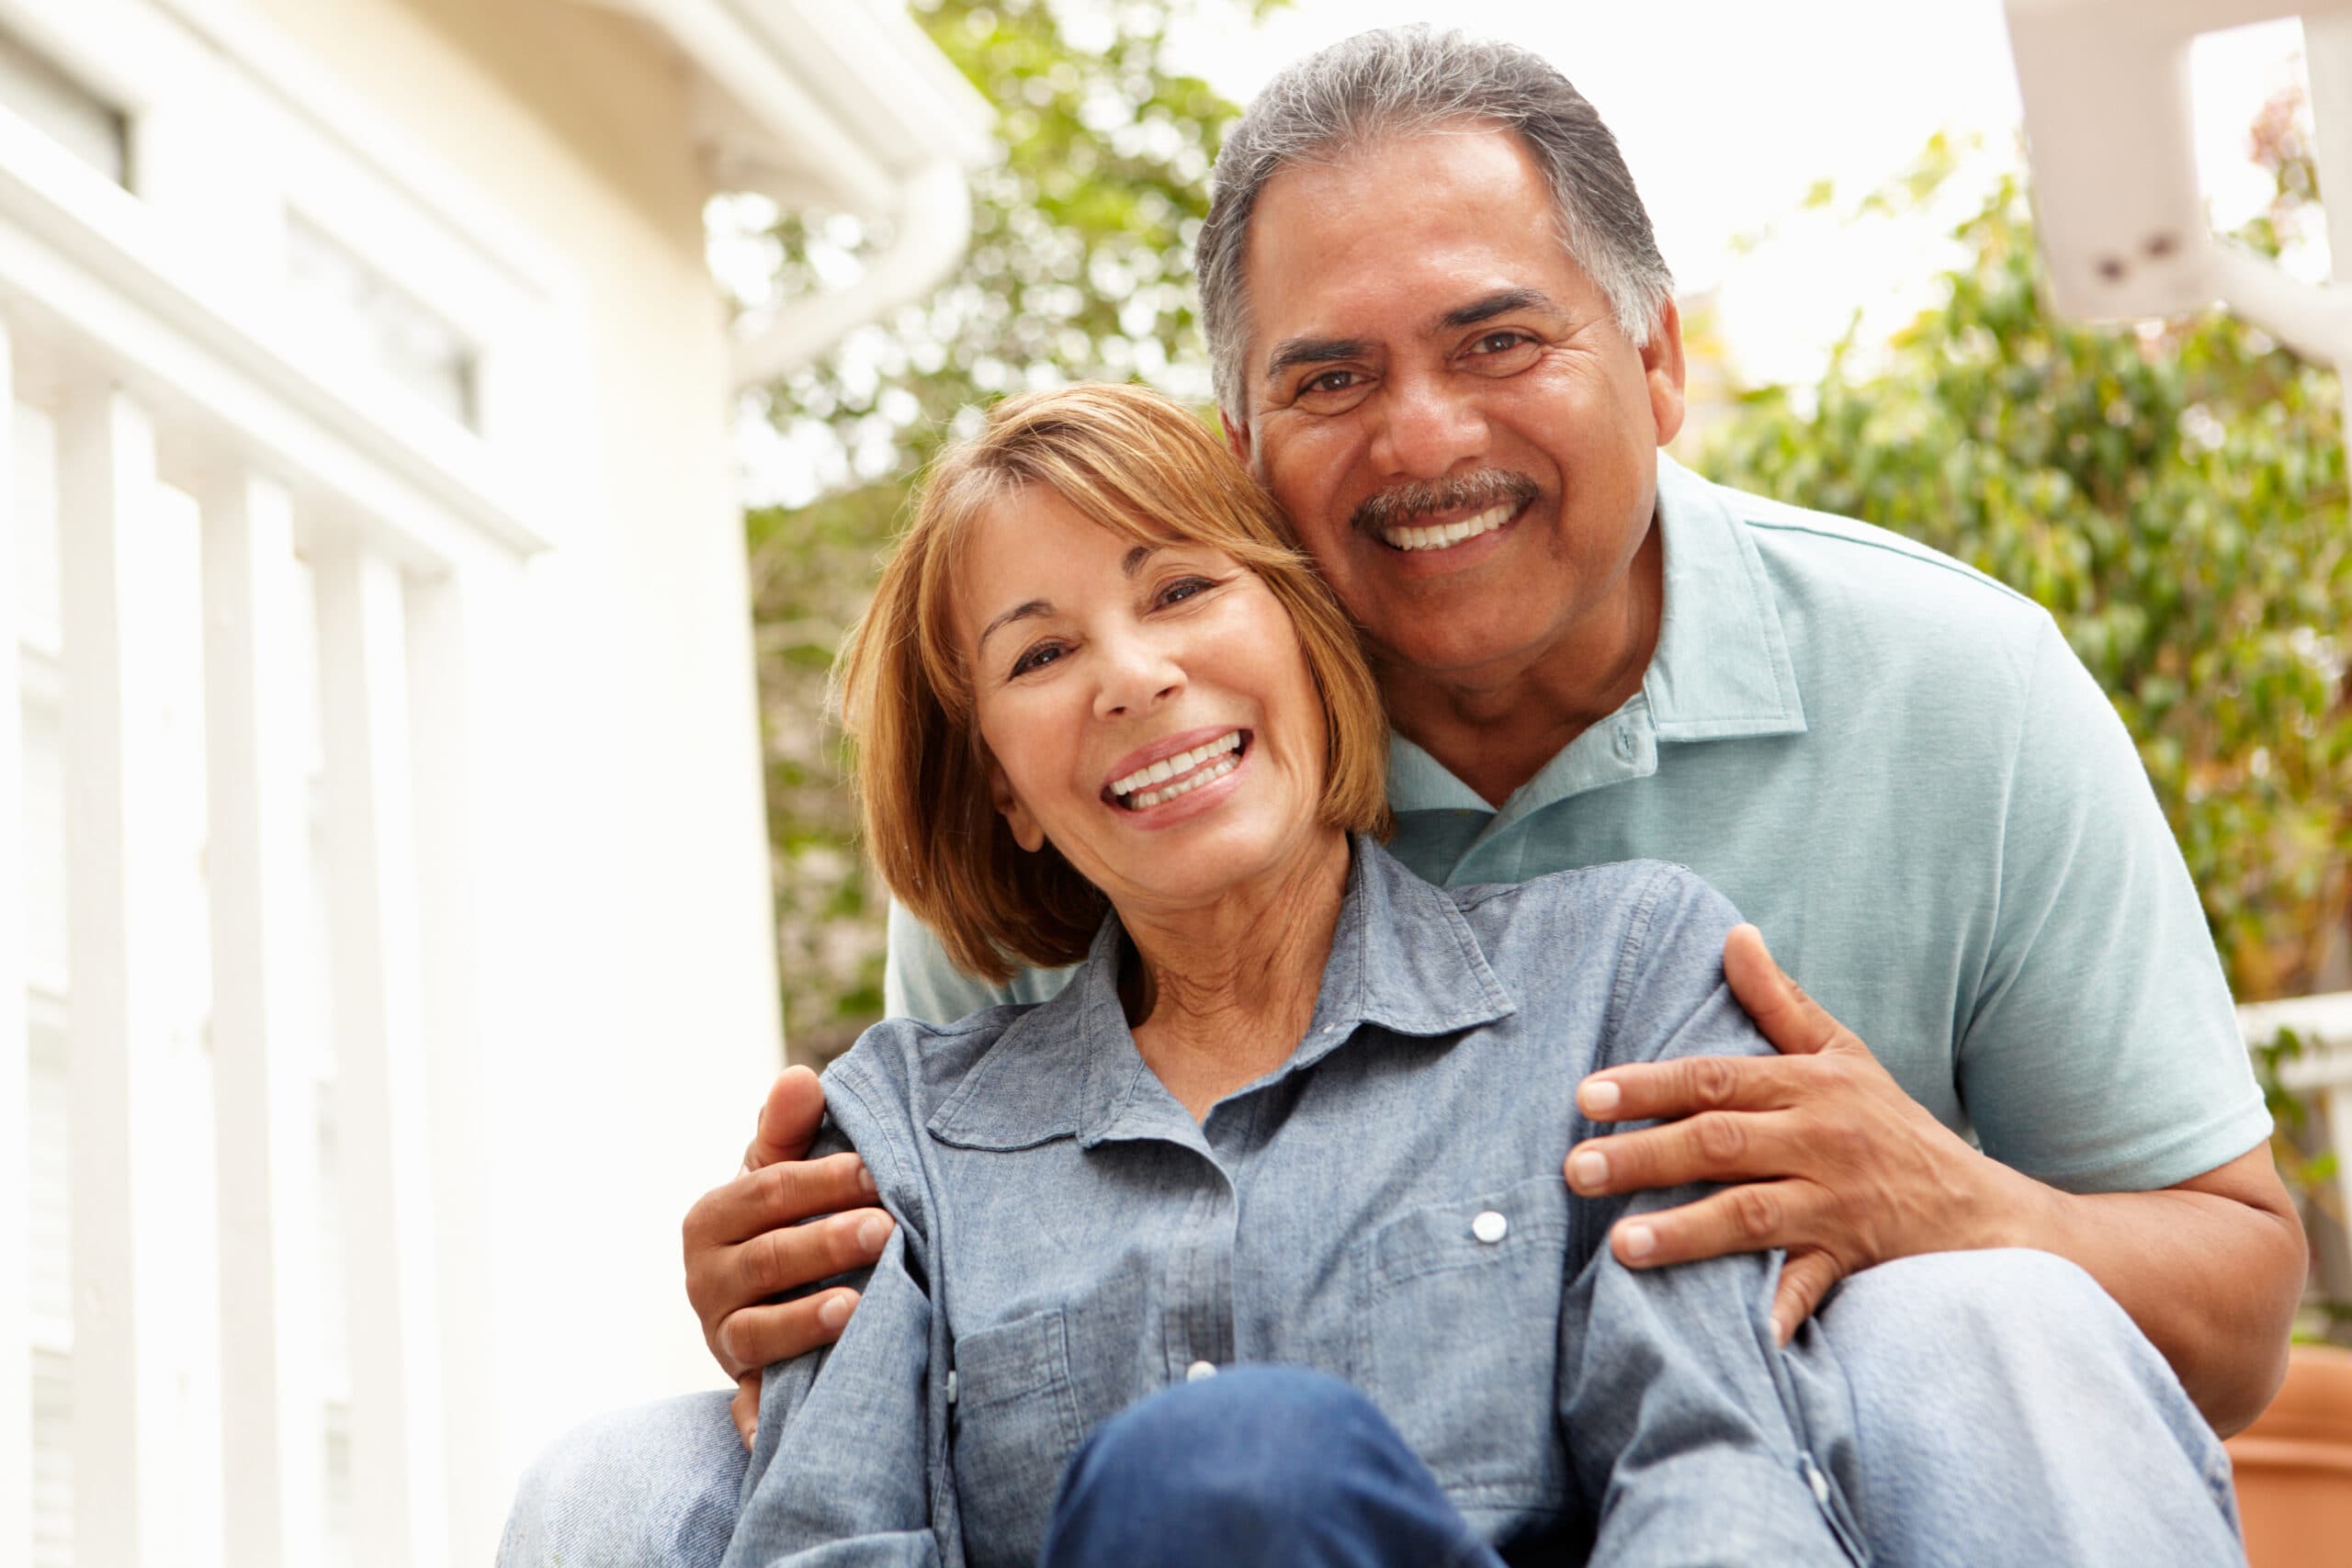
<point>1139,675</point>
<point>1428,427</point>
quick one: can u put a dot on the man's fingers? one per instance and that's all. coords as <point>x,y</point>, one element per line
<point>1751,1217</point>
<point>745,1407</point>
<point>801,1256</point>
<point>1805,1278</point>
<point>1650,1091</point>
<point>1792,1021</point>
<point>1715,1145</point>
<point>782,1194</point>
<point>790,1117</point>
<point>757,1335</point>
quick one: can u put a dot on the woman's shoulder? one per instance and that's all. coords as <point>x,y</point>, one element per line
<point>917,1062</point>
<point>1636,909</point>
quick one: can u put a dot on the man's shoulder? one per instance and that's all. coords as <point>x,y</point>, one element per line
<point>1837,554</point>
<point>1864,600</point>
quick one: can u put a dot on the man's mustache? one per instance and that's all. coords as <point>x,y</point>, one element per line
<point>1401,507</point>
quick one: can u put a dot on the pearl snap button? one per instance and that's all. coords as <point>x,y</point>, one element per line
<point>1490,1227</point>
<point>1200,1370</point>
<point>1820,1483</point>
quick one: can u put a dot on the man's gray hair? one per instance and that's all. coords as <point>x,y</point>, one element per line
<point>1399,82</point>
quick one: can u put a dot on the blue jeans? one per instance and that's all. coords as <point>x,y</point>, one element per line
<point>1257,1465</point>
<point>2003,1410</point>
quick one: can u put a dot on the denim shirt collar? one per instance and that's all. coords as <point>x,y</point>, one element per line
<point>1402,958</point>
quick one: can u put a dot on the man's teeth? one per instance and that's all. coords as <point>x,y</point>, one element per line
<point>1438,538</point>
<point>1142,779</point>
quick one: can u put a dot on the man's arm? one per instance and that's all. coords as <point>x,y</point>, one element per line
<point>1834,1162</point>
<point>783,1224</point>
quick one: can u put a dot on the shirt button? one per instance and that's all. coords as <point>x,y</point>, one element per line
<point>1820,1483</point>
<point>1490,1227</point>
<point>1625,741</point>
<point>1199,1371</point>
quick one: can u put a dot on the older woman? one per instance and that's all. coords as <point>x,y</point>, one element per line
<point>1299,1110</point>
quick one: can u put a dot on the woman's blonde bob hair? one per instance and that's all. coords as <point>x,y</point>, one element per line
<point>1140,465</point>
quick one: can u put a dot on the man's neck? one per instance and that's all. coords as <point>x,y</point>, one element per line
<point>1495,726</point>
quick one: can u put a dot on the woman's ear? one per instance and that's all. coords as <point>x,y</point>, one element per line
<point>1026,831</point>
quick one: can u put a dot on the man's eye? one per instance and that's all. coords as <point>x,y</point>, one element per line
<point>1329,381</point>
<point>1501,343</point>
<point>1037,658</point>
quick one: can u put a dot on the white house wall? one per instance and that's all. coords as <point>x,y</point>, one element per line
<point>634,1017</point>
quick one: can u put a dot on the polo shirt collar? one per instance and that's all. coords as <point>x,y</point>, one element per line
<point>1721,668</point>
<point>1402,958</point>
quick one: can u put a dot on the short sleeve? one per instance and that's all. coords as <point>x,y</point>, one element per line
<point>2102,1053</point>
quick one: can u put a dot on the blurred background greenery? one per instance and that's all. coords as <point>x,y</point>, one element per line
<point>2175,495</point>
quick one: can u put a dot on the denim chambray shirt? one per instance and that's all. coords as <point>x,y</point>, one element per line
<point>1386,1206</point>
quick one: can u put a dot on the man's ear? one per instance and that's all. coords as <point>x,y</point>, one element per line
<point>1026,831</point>
<point>1662,371</point>
<point>1237,440</point>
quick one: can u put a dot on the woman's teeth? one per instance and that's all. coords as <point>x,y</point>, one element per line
<point>1136,787</point>
<point>1438,538</point>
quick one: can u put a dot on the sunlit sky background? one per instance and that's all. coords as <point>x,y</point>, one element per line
<point>1729,112</point>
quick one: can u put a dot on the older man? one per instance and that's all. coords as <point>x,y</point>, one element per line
<point>1444,340</point>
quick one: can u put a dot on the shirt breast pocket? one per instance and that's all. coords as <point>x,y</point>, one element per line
<point>1015,1425</point>
<point>1458,1338</point>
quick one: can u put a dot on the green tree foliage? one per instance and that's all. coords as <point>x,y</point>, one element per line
<point>1079,267</point>
<point>2174,495</point>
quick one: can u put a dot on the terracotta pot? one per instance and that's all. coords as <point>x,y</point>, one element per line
<point>2294,1466</point>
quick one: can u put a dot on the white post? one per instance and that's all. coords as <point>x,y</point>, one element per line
<point>122,1284</point>
<point>444,713</point>
<point>2327,55</point>
<point>398,1509</point>
<point>265,1108</point>
<point>15,1068</point>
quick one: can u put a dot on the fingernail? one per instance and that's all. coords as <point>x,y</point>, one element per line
<point>1640,1241</point>
<point>1588,1169</point>
<point>1779,1330</point>
<point>872,1234</point>
<point>866,1180</point>
<point>1598,1099</point>
<point>834,1313</point>
<point>726,1341</point>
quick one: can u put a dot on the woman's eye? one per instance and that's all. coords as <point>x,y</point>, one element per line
<point>1184,587</point>
<point>1037,658</point>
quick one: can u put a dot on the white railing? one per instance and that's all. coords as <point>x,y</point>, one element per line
<point>245,612</point>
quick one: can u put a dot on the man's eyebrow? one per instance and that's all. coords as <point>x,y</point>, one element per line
<point>1021,612</point>
<point>1300,351</point>
<point>1500,303</point>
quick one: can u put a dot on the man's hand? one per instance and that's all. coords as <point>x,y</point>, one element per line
<point>1825,1154</point>
<point>745,1243</point>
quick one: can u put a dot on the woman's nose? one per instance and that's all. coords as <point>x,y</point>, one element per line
<point>1138,676</point>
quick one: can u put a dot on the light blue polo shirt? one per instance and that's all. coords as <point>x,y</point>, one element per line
<point>1896,768</point>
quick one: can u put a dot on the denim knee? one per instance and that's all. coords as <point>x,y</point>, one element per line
<point>656,1484</point>
<point>1940,1300</point>
<point>1250,1438</point>
<point>1257,1465</point>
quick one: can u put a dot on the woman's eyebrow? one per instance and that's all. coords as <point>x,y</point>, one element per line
<point>1021,612</point>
